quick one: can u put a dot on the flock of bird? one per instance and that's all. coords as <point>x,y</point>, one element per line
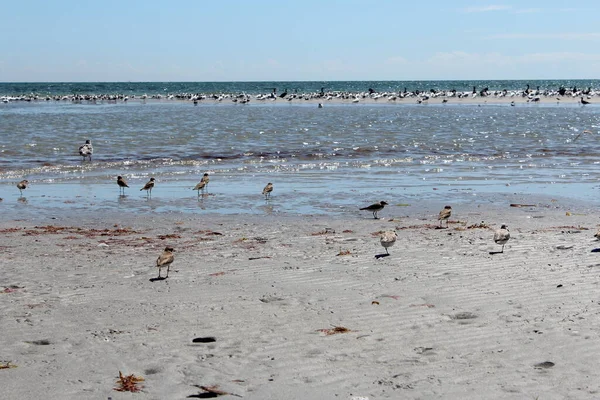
<point>388,238</point>
<point>533,95</point>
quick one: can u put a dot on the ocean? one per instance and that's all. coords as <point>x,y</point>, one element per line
<point>253,88</point>
<point>326,160</point>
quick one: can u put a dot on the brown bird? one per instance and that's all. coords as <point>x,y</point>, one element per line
<point>502,236</point>
<point>445,215</point>
<point>200,186</point>
<point>267,190</point>
<point>122,184</point>
<point>165,260</point>
<point>22,185</point>
<point>86,150</point>
<point>205,179</point>
<point>375,208</point>
<point>387,239</point>
<point>597,235</point>
<point>148,187</point>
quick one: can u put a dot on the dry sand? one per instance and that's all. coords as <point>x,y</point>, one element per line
<point>440,318</point>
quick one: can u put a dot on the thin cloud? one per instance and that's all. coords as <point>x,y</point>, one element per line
<point>528,11</point>
<point>548,36</point>
<point>487,8</point>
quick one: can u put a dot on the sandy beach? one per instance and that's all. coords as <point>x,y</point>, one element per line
<point>300,307</point>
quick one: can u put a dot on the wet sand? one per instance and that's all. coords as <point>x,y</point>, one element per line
<point>440,317</point>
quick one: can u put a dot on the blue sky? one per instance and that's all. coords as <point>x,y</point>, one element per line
<point>260,40</point>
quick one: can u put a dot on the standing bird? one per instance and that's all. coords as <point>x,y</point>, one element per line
<point>445,215</point>
<point>584,102</point>
<point>22,185</point>
<point>148,187</point>
<point>165,260</point>
<point>387,239</point>
<point>502,236</point>
<point>200,186</point>
<point>375,208</point>
<point>122,184</point>
<point>267,190</point>
<point>86,150</point>
<point>205,179</point>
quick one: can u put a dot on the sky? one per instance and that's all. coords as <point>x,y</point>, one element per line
<point>303,40</point>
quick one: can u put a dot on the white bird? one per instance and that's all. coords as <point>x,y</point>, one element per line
<point>502,236</point>
<point>86,150</point>
<point>387,239</point>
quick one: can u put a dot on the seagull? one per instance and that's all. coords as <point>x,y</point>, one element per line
<point>388,239</point>
<point>501,236</point>
<point>267,190</point>
<point>86,150</point>
<point>375,208</point>
<point>122,184</point>
<point>165,260</point>
<point>585,131</point>
<point>445,215</point>
<point>22,185</point>
<point>148,187</point>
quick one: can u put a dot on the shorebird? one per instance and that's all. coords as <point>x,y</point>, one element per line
<point>122,184</point>
<point>165,260</point>
<point>267,190</point>
<point>445,215</point>
<point>387,239</point>
<point>502,236</point>
<point>148,187</point>
<point>205,179</point>
<point>597,235</point>
<point>200,186</point>
<point>584,102</point>
<point>22,185</point>
<point>375,208</point>
<point>86,150</point>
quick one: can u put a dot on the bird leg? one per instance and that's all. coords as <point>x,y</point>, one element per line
<point>159,268</point>
<point>386,250</point>
<point>168,268</point>
<point>375,214</point>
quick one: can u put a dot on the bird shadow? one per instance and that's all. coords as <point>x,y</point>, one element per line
<point>378,256</point>
<point>441,227</point>
<point>207,395</point>
<point>206,339</point>
<point>495,252</point>
<point>596,250</point>
<point>158,278</point>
